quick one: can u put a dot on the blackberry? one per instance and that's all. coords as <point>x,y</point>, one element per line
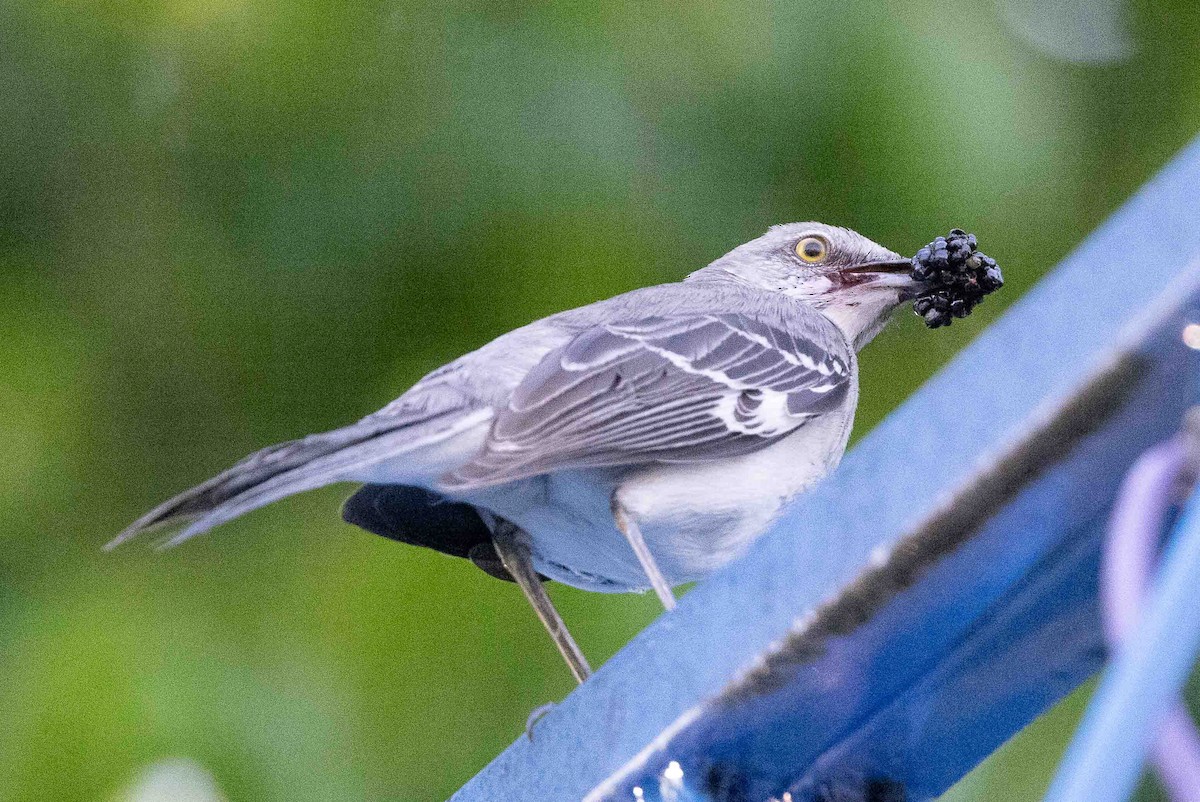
<point>957,276</point>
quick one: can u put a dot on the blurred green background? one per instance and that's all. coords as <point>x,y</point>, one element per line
<point>225,223</point>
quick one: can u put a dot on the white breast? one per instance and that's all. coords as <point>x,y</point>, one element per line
<point>697,517</point>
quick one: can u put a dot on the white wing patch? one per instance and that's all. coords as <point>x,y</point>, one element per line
<point>763,413</point>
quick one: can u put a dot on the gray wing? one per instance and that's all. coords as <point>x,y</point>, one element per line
<point>662,389</point>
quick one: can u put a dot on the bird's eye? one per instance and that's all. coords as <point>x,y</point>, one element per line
<point>812,249</point>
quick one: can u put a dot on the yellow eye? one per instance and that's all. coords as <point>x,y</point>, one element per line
<point>812,249</point>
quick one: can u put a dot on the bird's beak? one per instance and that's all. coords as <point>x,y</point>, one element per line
<point>894,273</point>
<point>885,266</point>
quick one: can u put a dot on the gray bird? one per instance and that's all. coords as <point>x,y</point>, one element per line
<point>638,442</point>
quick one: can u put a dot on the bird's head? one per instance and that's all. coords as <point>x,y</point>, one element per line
<point>853,281</point>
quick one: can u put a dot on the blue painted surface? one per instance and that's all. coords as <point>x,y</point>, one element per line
<point>1105,760</point>
<point>988,638</point>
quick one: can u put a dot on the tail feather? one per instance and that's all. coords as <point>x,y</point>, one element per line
<point>268,475</point>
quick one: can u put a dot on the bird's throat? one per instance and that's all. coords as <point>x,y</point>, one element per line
<point>861,318</point>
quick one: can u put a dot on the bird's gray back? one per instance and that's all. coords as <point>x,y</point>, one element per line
<point>487,376</point>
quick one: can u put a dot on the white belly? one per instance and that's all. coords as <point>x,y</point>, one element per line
<point>698,517</point>
<point>694,517</point>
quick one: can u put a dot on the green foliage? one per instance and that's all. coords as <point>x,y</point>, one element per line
<point>228,223</point>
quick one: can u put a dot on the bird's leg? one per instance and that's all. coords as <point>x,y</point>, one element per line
<point>512,545</point>
<point>629,529</point>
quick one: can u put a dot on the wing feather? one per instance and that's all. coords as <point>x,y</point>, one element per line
<point>661,389</point>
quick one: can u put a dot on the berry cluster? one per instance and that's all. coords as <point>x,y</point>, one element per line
<point>957,276</point>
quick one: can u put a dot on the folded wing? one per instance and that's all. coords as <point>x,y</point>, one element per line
<point>661,389</point>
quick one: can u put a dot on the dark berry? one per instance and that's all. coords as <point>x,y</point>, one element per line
<point>957,277</point>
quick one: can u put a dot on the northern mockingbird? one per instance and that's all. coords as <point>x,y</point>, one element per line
<point>638,442</point>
